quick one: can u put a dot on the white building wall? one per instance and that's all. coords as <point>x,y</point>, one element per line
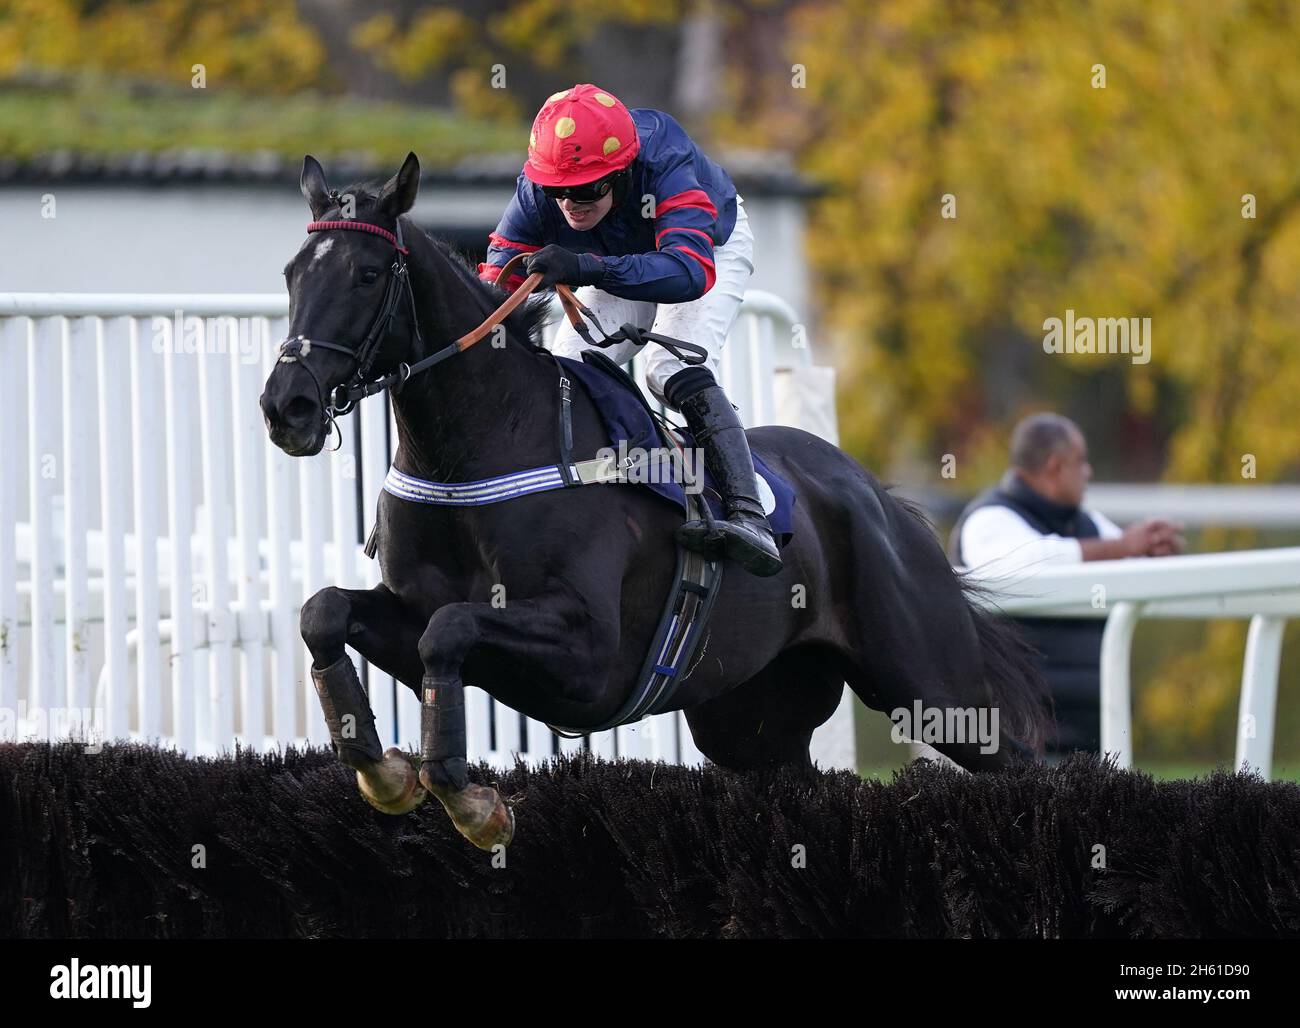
<point>237,238</point>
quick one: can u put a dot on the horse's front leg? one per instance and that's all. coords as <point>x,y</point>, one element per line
<point>377,625</point>
<point>535,633</point>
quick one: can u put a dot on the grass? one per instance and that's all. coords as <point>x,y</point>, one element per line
<point>106,118</point>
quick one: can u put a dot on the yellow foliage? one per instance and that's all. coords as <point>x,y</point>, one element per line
<point>246,44</point>
<point>1123,201</point>
<point>426,44</point>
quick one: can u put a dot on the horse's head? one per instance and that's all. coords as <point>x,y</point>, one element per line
<point>351,316</point>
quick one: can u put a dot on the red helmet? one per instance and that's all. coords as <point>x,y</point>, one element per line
<point>580,134</point>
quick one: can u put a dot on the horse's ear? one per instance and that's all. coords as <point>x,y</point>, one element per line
<point>398,195</point>
<point>314,187</point>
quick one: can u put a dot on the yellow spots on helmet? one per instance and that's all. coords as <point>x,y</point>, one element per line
<point>605,100</point>
<point>557,96</point>
<point>532,140</point>
<point>611,144</point>
<point>565,127</point>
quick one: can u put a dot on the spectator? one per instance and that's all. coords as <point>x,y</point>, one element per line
<point>1033,516</point>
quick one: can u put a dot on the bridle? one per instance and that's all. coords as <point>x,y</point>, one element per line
<point>343,398</point>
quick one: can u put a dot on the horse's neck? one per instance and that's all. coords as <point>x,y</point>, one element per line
<point>483,412</point>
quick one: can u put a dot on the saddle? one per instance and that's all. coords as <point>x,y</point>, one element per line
<point>630,423</point>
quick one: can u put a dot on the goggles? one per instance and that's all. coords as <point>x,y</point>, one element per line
<point>587,192</point>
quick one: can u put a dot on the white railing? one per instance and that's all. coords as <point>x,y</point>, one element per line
<point>1260,585</point>
<point>1256,505</point>
<point>116,439</point>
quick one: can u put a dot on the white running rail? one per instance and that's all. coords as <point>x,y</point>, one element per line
<point>1262,586</point>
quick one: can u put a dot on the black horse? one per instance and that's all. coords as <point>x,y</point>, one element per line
<point>549,601</point>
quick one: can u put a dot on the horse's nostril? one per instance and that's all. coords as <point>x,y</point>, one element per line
<point>300,409</point>
<point>268,409</point>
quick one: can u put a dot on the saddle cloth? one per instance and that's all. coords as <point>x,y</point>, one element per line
<point>628,420</point>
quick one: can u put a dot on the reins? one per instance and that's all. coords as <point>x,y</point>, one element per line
<point>343,398</point>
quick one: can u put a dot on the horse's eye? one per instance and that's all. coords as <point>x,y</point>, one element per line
<point>369,276</point>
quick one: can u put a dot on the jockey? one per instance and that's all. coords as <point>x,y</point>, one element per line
<point>624,206</point>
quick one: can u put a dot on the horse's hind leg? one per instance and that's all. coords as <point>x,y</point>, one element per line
<point>376,625</point>
<point>929,661</point>
<point>769,720</point>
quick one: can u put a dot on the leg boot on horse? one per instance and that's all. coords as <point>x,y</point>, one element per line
<point>387,778</point>
<point>477,811</point>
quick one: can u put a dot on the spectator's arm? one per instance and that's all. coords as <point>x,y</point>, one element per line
<point>1151,537</point>
<point>1107,528</point>
<point>1110,543</point>
<point>1106,549</point>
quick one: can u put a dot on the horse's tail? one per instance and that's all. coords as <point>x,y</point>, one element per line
<point>1010,673</point>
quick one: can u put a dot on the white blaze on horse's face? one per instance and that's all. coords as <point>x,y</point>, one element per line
<point>322,248</point>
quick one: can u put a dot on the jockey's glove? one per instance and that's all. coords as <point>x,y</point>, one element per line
<point>557,264</point>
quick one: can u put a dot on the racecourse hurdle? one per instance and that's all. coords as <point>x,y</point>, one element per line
<point>139,426</point>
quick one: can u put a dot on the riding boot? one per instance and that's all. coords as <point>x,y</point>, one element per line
<point>745,536</point>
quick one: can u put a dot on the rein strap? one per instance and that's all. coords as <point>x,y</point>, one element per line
<point>344,397</point>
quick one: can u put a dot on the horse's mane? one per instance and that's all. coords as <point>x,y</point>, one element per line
<point>526,321</point>
<point>524,324</point>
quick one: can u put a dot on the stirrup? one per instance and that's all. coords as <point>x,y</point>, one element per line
<point>752,544</point>
<point>743,540</point>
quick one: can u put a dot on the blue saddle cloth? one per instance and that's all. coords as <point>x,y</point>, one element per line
<point>627,420</point>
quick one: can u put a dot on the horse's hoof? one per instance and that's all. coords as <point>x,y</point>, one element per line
<point>392,785</point>
<point>480,814</point>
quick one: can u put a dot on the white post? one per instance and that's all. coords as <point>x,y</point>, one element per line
<point>834,743</point>
<point>178,400</point>
<point>762,372</point>
<point>282,598</point>
<point>478,743</point>
<point>215,408</point>
<point>568,747</point>
<point>604,745</point>
<point>43,340</point>
<point>149,457</point>
<point>1256,717</point>
<point>1116,687</point>
<point>114,461</point>
<point>507,747</point>
<point>11,343</point>
<point>78,462</point>
<point>249,437</point>
<point>539,742</point>
<point>687,752</point>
